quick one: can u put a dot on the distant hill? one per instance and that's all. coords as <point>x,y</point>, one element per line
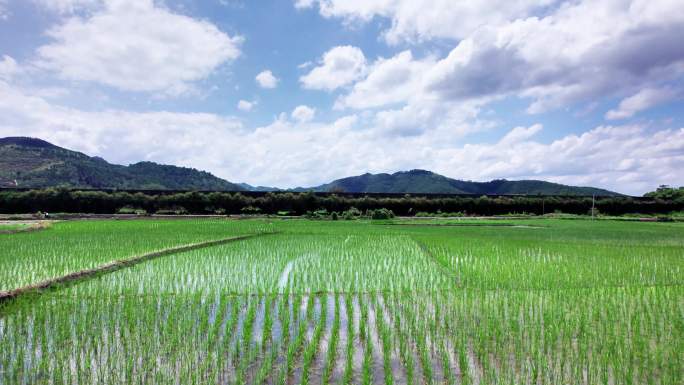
<point>35,163</point>
<point>426,182</point>
<point>30,162</point>
<point>249,187</point>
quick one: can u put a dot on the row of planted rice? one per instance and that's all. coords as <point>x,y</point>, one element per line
<point>66,247</point>
<point>334,338</point>
<point>339,303</point>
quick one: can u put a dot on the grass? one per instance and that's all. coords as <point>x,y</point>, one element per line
<point>10,227</point>
<point>555,302</point>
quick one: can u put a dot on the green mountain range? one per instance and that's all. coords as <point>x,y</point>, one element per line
<point>35,163</point>
<point>29,162</point>
<point>427,182</point>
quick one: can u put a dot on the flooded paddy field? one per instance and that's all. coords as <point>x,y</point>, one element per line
<point>346,302</point>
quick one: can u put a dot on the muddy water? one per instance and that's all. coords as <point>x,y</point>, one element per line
<point>400,310</point>
<point>357,342</point>
<point>378,367</point>
<point>338,368</point>
<point>261,346</point>
<point>318,365</point>
<point>296,376</point>
<point>398,314</point>
<point>398,369</point>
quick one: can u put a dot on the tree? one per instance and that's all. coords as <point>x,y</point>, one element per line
<point>666,192</point>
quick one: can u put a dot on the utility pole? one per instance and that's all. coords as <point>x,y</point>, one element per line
<point>593,201</point>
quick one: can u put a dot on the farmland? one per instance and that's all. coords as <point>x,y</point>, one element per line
<point>347,302</point>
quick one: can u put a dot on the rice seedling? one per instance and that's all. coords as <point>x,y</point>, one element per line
<point>66,247</point>
<point>314,343</point>
<point>332,346</point>
<point>560,302</point>
<point>349,351</point>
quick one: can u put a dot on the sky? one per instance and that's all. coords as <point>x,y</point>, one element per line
<point>300,92</point>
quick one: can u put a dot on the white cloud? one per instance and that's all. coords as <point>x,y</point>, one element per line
<point>299,4</point>
<point>577,53</point>
<point>448,120</point>
<point>417,20</point>
<point>303,113</point>
<point>4,12</point>
<point>640,101</point>
<point>119,136</point>
<point>339,66</point>
<point>244,105</point>
<point>265,79</point>
<point>520,134</point>
<point>346,122</point>
<point>305,65</point>
<point>8,68</point>
<point>70,6</point>
<point>389,81</point>
<point>403,103</point>
<point>630,159</point>
<point>134,45</point>
<point>580,52</point>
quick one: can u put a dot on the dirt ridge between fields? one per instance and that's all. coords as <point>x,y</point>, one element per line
<point>30,227</point>
<point>116,265</point>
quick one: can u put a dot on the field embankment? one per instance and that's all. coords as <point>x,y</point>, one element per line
<point>113,266</point>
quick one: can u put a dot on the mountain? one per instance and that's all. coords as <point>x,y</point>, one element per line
<point>249,187</point>
<point>426,182</point>
<point>30,162</point>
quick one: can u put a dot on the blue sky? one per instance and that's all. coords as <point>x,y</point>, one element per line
<point>300,92</point>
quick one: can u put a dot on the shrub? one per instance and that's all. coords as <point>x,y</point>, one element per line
<point>131,210</point>
<point>318,214</point>
<point>351,214</point>
<point>382,213</point>
<point>250,210</point>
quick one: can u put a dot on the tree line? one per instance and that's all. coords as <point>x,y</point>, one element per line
<point>292,203</point>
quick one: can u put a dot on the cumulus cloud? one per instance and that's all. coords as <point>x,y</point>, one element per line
<point>627,158</point>
<point>418,20</point>
<point>8,67</point>
<point>303,113</point>
<point>554,56</point>
<point>118,135</point>
<point>389,81</point>
<point>520,134</point>
<point>265,79</point>
<point>70,6</point>
<point>303,3</point>
<point>640,101</point>
<point>244,105</point>
<point>134,45</point>
<point>339,66</point>
<point>582,51</point>
<point>577,53</point>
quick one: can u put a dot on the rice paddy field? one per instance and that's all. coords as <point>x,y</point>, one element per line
<point>346,302</point>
